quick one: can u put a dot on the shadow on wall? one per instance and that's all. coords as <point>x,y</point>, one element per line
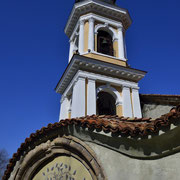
<point>153,146</point>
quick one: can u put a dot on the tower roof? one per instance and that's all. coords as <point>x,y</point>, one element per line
<point>107,1</point>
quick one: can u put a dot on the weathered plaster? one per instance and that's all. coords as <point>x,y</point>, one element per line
<point>154,146</point>
<point>155,157</point>
<point>154,110</point>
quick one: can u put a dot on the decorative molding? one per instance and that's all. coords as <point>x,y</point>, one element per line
<point>81,22</point>
<point>125,86</point>
<point>135,88</point>
<point>91,79</point>
<point>81,78</point>
<point>79,62</point>
<point>101,19</point>
<point>96,17</point>
<point>105,55</point>
<point>94,5</point>
<point>59,146</point>
<point>91,19</point>
<point>111,80</point>
<point>120,28</point>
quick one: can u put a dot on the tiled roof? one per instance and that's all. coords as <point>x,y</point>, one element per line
<point>107,123</point>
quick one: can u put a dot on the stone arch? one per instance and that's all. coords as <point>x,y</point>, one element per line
<point>66,146</point>
<point>112,91</point>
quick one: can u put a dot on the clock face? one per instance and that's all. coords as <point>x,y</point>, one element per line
<point>63,168</point>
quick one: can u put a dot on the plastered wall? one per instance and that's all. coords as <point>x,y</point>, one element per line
<point>120,167</point>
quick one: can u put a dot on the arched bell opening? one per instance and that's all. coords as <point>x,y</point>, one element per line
<point>104,43</point>
<point>106,104</point>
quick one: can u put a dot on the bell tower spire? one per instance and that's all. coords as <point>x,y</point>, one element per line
<point>98,79</point>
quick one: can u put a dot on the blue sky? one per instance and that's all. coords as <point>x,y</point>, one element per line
<point>34,54</point>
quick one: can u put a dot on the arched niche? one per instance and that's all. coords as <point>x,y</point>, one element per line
<point>63,157</point>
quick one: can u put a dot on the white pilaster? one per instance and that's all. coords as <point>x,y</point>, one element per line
<point>136,103</point>
<point>81,36</point>
<point>127,107</point>
<point>91,97</point>
<point>91,35</point>
<point>78,98</point>
<point>71,49</point>
<point>121,43</point>
<point>64,108</point>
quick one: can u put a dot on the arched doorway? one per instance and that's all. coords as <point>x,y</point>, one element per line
<point>105,104</point>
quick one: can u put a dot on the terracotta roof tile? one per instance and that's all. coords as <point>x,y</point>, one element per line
<point>114,124</point>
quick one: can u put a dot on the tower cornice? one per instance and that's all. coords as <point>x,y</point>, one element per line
<point>91,65</point>
<point>97,7</point>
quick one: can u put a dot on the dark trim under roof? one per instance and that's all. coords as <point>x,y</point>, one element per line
<point>173,100</point>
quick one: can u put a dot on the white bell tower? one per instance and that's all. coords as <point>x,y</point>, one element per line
<point>98,79</point>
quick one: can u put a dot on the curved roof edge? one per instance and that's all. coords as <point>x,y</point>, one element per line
<point>106,123</point>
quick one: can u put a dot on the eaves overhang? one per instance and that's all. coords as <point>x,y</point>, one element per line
<point>79,62</point>
<point>98,7</point>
